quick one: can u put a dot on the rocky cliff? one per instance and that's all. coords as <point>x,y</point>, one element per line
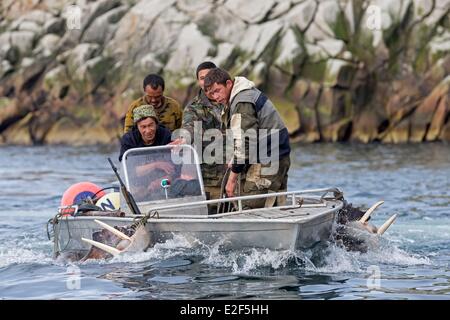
<point>337,70</point>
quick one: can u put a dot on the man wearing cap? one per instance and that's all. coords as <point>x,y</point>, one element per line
<point>168,110</point>
<point>146,131</point>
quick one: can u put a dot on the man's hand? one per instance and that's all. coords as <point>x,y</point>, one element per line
<point>230,163</point>
<point>177,142</point>
<point>167,167</point>
<point>154,185</point>
<point>231,184</point>
<point>144,169</point>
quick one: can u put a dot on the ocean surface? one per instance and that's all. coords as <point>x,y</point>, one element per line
<point>411,262</point>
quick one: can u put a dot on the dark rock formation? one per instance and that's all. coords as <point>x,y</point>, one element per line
<point>337,70</point>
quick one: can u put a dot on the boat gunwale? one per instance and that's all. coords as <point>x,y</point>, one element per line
<point>209,218</point>
<point>239,199</point>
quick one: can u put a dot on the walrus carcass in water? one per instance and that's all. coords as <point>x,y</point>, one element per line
<point>113,241</point>
<point>354,230</point>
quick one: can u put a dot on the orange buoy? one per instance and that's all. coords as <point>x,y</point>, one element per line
<point>79,192</point>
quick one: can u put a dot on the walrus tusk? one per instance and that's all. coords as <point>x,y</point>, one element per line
<point>369,212</point>
<point>113,230</point>
<point>386,225</point>
<point>102,246</point>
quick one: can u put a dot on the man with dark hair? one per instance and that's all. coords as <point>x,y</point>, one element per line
<point>154,81</point>
<point>249,110</point>
<point>206,113</point>
<point>168,110</point>
<point>202,70</point>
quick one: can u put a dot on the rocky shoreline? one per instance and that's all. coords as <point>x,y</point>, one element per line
<point>335,72</point>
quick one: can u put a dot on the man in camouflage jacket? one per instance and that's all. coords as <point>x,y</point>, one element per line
<point>207,114</point>
<point>168,110</point>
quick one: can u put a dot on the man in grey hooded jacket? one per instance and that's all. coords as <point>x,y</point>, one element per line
<point>250,114</point>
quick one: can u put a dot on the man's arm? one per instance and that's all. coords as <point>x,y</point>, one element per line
<point>189,117</point>
<point>167,167</point>
<point>125,144</point>
<point>179,116</point>
<point>129,123</point>
<point>243,119</point>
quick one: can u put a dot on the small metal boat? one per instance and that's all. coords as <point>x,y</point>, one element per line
<point>167,186</point>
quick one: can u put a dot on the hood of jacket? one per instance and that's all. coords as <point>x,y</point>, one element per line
<point>240,84</point>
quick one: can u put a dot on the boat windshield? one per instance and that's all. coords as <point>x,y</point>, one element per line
<point>162,173</point>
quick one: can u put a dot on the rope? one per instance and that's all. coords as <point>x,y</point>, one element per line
<point>152,214</point>
<point>48,233</point>
<point>55,221</point>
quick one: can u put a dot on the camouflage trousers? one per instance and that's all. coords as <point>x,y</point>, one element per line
<point>258,183</point>
<point>212,192</point>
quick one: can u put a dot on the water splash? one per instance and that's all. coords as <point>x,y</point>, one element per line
<point>25,248</point>
<point>331,258</point>
<point>390,254</point>
<point>336,259</point>
<point>246,261</point>
<point>23,256</point>
<point>176,246</point>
